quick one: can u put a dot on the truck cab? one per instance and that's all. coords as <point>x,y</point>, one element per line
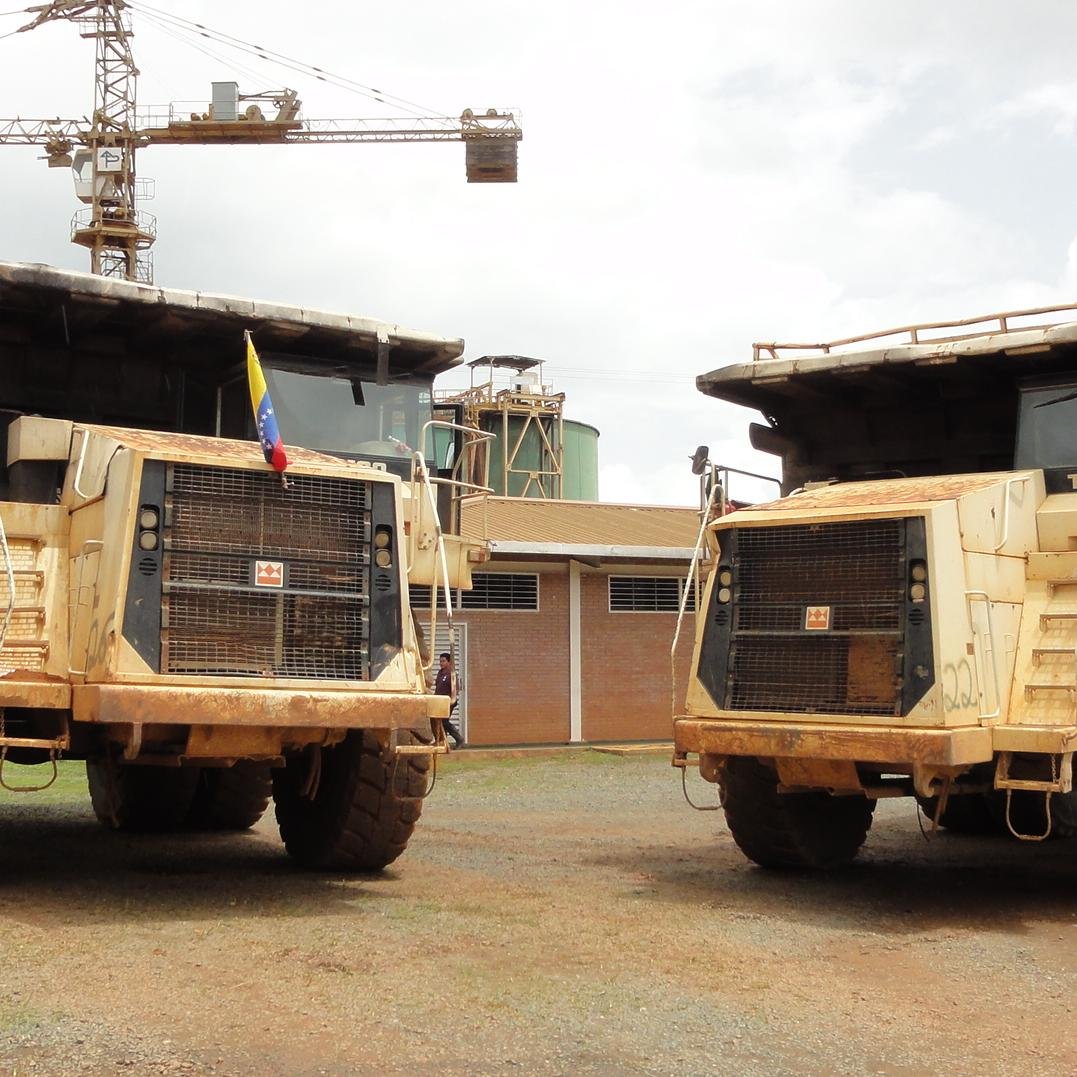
<point>902,620</point>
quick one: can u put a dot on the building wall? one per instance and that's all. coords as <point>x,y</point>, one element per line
<point>627,689</point>
<point>518,688</point>
<point>517,675</point>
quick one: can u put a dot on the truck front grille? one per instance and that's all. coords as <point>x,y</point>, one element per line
<point>216,617</point>
<point>855,572</point>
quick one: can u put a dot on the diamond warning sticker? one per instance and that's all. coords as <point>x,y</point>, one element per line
<point>817,618</point>
<point>268,573</point>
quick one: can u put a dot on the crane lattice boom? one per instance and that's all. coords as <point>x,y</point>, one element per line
<point>101,150</point>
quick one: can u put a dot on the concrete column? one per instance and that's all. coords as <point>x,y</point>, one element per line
<point>575,655</point>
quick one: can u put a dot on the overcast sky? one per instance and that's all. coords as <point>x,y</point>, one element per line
<point>693,177</point>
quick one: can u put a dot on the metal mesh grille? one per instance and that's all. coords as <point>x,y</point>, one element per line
<point>857,570</point>
<point>249,512</point>
<point>217,621</point>
<point>854,568</point>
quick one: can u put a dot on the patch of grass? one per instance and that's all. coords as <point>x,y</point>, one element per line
<point>69,787</point>
<point>17,1020</point>
<point>409,912</point>
<point>528,772</point>
<point>571,757</point>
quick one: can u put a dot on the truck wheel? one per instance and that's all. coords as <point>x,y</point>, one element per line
<point>140,797</point>
<point>364,806</point>
<point>969,813</point>
<point>231,798</point>
<point>790,830</point>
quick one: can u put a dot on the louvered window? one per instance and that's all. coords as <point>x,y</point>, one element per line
<point>648,594</point>
<point>501,591</point>
<point>419,596</point>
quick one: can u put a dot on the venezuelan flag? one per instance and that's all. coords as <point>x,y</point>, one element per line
<point>264,418</point>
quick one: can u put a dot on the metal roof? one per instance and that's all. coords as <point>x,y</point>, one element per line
<point>509,362</point>
<point>69,306</point>
<point>524,524</point>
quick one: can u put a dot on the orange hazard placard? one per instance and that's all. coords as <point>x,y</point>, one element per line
<point>268,573</point>
<point>817,618</point>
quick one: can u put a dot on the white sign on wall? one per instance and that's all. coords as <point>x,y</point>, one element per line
<point>109,159</point>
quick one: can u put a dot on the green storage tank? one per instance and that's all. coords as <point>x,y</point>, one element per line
<point>580,468</point>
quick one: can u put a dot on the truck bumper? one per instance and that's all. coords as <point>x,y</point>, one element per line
<point>127,704</point>
<point>861,744</point>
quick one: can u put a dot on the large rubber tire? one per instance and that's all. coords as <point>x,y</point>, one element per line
<point>969,813</point>
<point>140,798</point>
<point>790,830</point>
<point>231,798</point>
<point>365,805</point>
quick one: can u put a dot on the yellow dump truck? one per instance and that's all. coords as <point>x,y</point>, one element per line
<point>205,632</point>
<point>902,621</point>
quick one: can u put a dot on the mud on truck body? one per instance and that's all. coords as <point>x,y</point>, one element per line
<point>203,634</point>
<point>902,621</point>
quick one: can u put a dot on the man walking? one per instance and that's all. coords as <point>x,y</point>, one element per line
<point>446,684</point>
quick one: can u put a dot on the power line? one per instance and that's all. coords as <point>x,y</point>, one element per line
<point>184,39</point>
<point>270,56</point>
<point>609,373</point>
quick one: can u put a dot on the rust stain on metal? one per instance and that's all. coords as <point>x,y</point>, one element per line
<point>884,744</point>
<point>169,705</point>
<point>885,492</point>
<point>185,446</point>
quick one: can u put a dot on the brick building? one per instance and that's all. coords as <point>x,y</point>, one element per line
<point>566,635</point>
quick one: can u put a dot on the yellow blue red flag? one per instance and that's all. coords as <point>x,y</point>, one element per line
<point>264,418</point>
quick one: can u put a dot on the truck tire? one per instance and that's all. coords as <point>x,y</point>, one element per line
<point>790,830</point>
<point>365,805</point>
<point>969,813</point>
<point>140,798</point>
<point>231,798</point>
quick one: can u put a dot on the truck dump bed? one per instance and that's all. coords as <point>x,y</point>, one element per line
<point>96,349</point>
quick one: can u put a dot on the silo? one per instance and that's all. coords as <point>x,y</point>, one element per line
<point>580,467</point>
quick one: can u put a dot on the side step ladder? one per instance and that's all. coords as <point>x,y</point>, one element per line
<point>1061,781</point>
<point>55,746</point>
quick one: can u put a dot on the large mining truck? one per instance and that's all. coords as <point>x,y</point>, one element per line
<point>204,631</point>
<point>902,620</point>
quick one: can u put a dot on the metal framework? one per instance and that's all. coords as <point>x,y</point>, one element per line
<point>936,332</point>
<point>102,149</point>
<point>529,422</point>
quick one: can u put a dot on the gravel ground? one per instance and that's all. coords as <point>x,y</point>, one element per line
<point>551,916</point>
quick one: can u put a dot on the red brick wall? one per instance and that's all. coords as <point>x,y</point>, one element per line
<point>517,675</point>
<point>625,667</point>
<point>518,668</point>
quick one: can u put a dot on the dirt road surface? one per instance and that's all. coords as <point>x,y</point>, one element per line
<point>566,915</point>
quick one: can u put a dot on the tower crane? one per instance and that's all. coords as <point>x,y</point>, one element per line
<point>101,150</point>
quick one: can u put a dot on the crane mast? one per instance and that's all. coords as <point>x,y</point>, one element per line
<point>101,151</point>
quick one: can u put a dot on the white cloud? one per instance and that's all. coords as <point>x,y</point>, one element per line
<point>1055,102</point>
<point>692,178</point>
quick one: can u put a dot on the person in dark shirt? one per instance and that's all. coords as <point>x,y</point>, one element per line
<point>446,684</point>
